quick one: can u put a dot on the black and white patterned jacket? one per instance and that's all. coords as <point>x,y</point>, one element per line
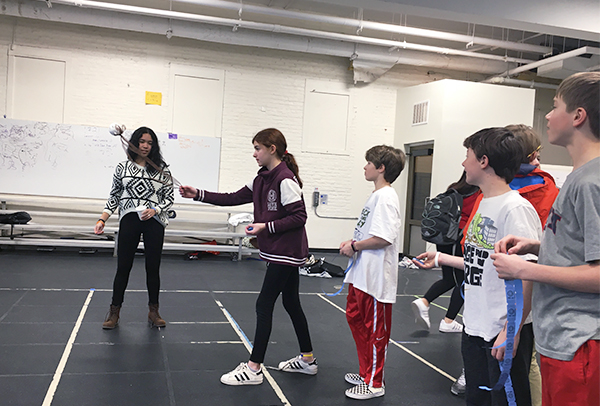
<point>134,186</point>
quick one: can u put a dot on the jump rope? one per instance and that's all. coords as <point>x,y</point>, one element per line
<point>514,307</point>
<point>514,315</point>
<point>343,283</point>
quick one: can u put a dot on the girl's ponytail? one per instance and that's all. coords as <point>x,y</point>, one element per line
<point>290,161</point>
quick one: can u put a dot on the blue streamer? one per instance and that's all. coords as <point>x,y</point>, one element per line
<point>343,283</point>
<point>514,307</point>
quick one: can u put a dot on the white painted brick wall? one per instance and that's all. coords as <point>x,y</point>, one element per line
<point>109,71</point>
<point>6,25</point>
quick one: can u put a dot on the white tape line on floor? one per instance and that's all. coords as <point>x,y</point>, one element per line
<point>65,357</point>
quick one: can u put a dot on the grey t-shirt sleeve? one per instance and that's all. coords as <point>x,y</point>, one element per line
<point>587,210</point>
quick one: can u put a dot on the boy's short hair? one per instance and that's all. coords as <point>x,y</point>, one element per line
<point>529,139</point>
<point>502,148</point>
<point>392,158</point>
<point>583,90</point>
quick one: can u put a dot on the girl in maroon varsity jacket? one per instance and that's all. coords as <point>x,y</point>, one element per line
<point>279,218</point>
<point>278,204</point>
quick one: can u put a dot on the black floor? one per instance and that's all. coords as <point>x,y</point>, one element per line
<point>43,294</point>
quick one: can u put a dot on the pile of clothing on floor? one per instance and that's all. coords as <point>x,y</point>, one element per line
<point>406,262</point>
<point>320,268</point>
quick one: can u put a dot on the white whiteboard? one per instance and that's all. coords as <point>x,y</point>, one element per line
<point>39,158</point>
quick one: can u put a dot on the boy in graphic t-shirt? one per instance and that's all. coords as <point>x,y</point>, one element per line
<point>493,159</point>
<point>373,277</point>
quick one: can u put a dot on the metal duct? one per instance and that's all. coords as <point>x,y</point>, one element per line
<point>372,25</point>
<point>224,35</point>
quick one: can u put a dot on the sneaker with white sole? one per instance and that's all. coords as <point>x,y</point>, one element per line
<point>460,386</point>
<point>353,379</point>
<point>421,313</point>
<point>454,327</point>
<point>296,364</point>
<point>363,391</point>
<point>242,375</point>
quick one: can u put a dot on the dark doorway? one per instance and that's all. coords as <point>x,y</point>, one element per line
<point>419,187</point>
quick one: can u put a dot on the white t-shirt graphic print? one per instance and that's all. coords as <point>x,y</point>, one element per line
<point>375,272</point>
<point>485,296</point>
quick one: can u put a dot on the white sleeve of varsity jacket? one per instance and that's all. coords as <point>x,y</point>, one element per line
<point>290,191</point>
<point>250,185</point>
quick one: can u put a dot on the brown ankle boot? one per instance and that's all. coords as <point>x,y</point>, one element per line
<point>154,318</point>
<point>112,318</point>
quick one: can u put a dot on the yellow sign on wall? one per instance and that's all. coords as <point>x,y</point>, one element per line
<point>154,98</point>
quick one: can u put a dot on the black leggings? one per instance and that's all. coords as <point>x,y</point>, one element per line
<point>282,279</point>
<point>451,278</point>
<point>130,229</point>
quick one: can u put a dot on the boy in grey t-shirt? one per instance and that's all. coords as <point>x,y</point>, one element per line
<point>566,294</point>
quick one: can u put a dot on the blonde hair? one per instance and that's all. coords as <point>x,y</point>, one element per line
<point>530,141</point>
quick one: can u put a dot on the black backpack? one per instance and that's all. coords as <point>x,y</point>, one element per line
<point>20,217</point>
<point>441,218</point>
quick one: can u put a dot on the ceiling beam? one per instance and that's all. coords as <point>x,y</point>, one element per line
<point>573,18</point>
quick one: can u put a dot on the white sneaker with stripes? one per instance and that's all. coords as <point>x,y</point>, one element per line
<point>242,375</point>
<point>454,327</point>
<point>296,364</point>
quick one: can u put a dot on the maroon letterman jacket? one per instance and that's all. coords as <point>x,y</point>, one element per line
<point>278,203</point>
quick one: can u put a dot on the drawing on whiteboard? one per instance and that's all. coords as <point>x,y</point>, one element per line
<point>18,150</point>
<point>52,159</point>
<point>57,147</point>
<point>22,146</point>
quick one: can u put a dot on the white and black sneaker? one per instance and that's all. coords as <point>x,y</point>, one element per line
<point>454,327</point>
<point>296,364</point>
<point>242,375</point>
<point>363,391</point>
<point>353,379</point>
<point>460,386</point>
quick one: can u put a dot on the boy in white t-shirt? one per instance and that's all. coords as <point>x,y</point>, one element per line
<point>373,277</point>
<point>493,159</point>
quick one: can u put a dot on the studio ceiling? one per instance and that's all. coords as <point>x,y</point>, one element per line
<point>501,38</point>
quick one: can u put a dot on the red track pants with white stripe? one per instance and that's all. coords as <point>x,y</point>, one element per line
<point>370,322</point>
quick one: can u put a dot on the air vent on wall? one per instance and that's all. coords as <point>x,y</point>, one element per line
<point>420,113</point>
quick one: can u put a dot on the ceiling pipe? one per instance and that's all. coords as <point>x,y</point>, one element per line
<point>248,38</point>
<point>371,25</point>
<point>282,29</point>
<point>560,57</point>
<point>498,80</point>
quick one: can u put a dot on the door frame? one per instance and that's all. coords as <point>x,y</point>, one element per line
<point>410,187</point>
